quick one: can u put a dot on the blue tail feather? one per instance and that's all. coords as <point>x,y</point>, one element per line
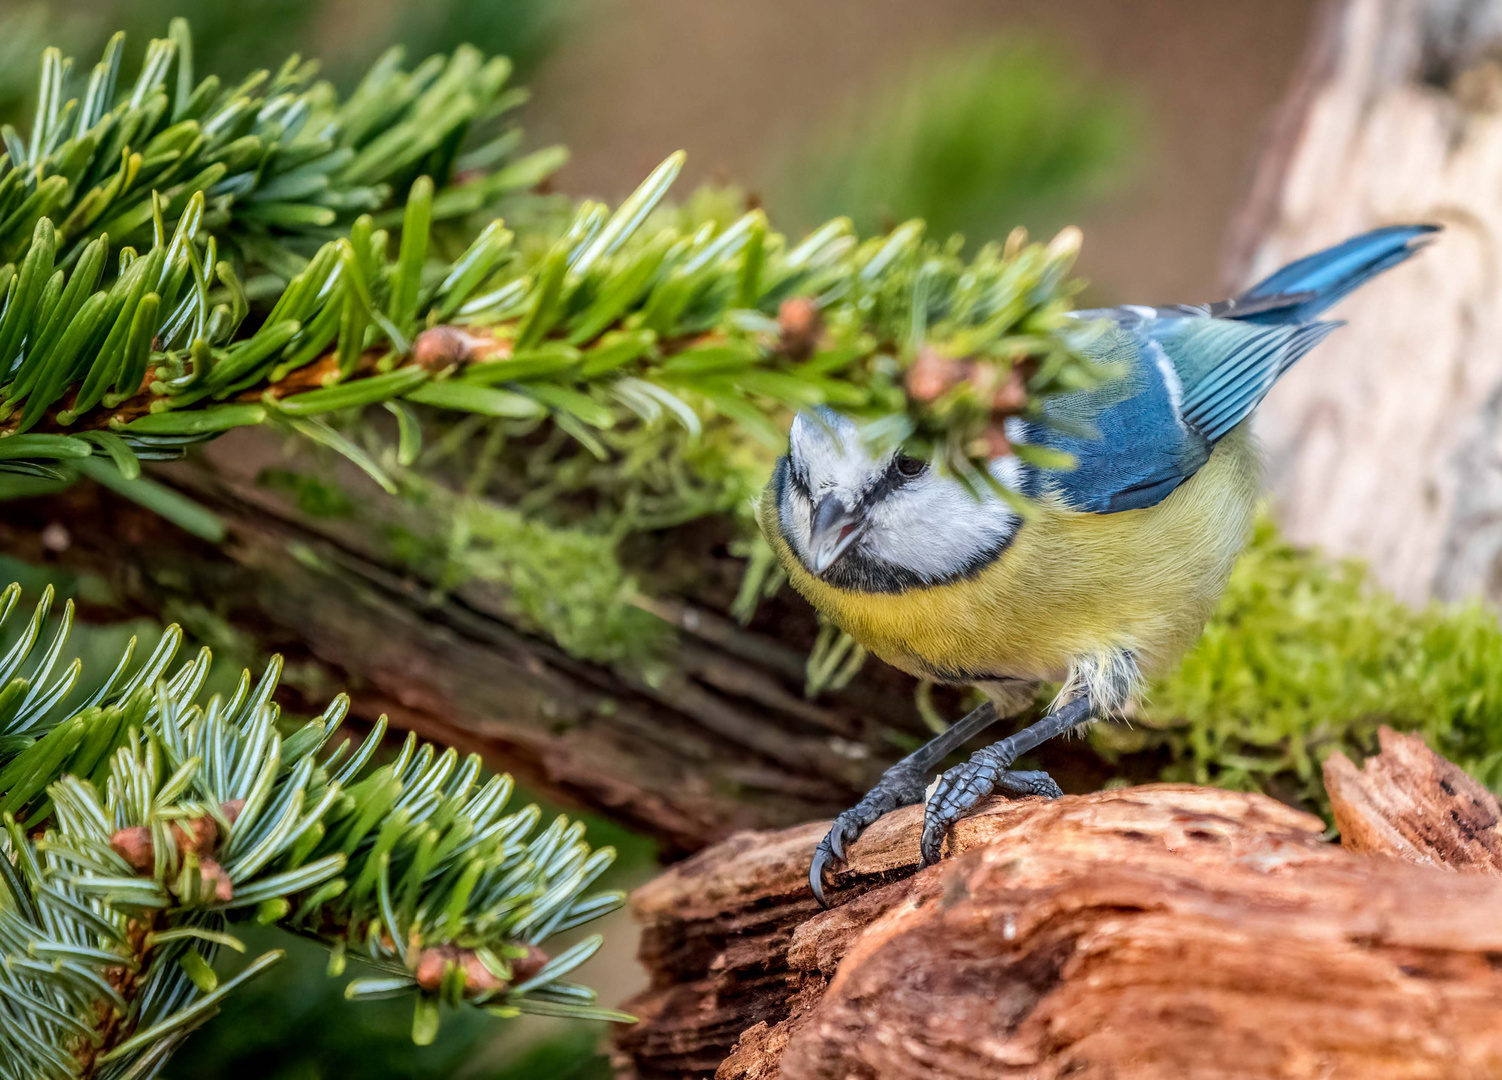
<point>1302,289</point>
<point>1196,373</point>
<point>1228,363</point>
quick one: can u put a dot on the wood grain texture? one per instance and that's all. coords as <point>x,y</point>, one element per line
<point>1384,443</point>
<point>1409,802</point>
<point>1145,932</point>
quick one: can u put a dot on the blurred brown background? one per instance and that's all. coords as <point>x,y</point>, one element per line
<point>750,88</point>
<point>739,85</point>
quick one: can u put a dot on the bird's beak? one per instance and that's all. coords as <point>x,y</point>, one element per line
<point>835,527</point>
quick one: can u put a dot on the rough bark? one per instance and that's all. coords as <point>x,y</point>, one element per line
<point>1384,443</point>
<point>1144,932</point>
<point>1409,802</point>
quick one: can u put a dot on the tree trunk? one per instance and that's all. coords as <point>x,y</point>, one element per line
<point>1162,931</point>
<point>1384,442</point>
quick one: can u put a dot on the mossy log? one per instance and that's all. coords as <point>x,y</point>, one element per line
<point>1142,932</point>
<point>679,761</point>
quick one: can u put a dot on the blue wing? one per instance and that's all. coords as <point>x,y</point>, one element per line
<point>1189,375</point>
<point>1127,437</point>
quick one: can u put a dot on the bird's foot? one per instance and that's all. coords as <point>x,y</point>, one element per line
<point>901,785</point>
<point>961,787</point>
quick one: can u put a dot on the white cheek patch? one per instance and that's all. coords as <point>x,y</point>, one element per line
<point>1007,470</point>
<point>931,526</point>
<point>936,528</point>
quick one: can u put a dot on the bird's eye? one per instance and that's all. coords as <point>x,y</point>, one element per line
<point>910,466</point>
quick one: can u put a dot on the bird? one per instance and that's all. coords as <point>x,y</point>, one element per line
<point>1112,571</point>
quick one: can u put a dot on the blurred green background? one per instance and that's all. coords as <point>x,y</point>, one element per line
<point>1140,123</point>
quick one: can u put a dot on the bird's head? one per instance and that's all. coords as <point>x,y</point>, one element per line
<point>883,521</point>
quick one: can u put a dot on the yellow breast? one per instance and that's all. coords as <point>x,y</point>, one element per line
<point>1070,585</point>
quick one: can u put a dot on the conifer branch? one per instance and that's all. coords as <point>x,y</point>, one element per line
<point>610,319</point>
<point>142,824</point>
<point>282,163</point>
<point>726,323</point>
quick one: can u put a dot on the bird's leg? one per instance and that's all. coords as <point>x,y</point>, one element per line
<point>963,786</point>
<point>901,785</point>
<point>1098,686</point>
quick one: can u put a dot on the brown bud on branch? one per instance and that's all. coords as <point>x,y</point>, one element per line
<point>434,962</point>
<point>198,836</point>
<point>800,325</point>
<point>440,348</point>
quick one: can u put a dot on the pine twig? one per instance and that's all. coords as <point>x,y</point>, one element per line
<point>143,824</point>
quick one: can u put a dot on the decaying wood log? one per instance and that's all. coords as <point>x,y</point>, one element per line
<point>1384,443</point>
<point>1151,932</point>
<point>1409,802</point>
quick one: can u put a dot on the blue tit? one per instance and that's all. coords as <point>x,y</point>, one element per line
<point>1111,576</point>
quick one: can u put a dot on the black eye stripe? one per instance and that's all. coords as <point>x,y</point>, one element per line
<point>800,479</point>
<point>899,470</point>
<point>892,478</point>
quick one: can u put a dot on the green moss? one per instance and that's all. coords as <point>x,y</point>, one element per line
<point>1305,656</point>
<point>312,495</point>
<point>565,583</point>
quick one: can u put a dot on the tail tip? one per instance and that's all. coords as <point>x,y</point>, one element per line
<point>1424,234</point>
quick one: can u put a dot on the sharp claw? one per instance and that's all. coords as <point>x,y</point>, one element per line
<point>836,840</point>
<point>816,876</point>
<point>931,846</point>
<point>1027,782</point>
<point>931,841</point>
<point>899,786</point>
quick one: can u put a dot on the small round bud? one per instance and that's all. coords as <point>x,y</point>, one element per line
<point>799,322</point>
<point>440,348</point>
